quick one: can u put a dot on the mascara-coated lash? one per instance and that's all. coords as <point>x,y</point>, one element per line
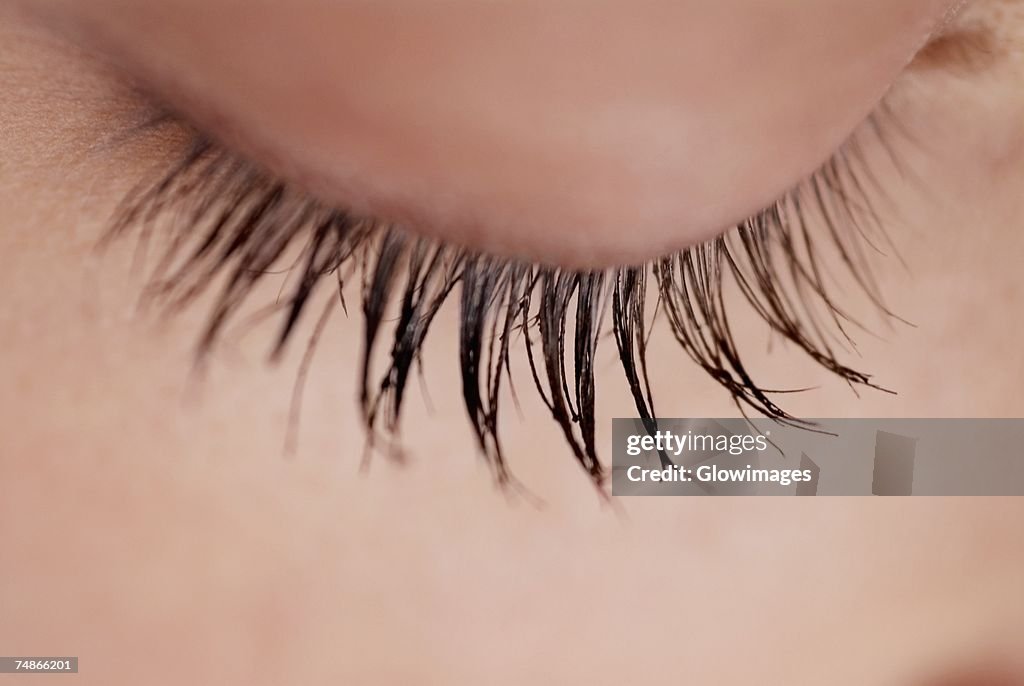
<point>231,224</point>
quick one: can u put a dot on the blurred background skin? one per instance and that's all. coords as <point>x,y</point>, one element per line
<point>150,525</point>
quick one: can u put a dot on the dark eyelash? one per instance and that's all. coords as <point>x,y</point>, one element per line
<point>233,224</point>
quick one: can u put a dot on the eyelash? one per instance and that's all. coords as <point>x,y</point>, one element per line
<point>232,224</point>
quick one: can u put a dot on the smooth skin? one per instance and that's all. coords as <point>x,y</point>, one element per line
<point>150,525</point>
<point>577,132</point>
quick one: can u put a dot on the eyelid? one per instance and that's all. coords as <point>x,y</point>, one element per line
<point>674,151</point>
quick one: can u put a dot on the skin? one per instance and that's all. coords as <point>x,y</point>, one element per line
<point>526,128</point>
<point>151,526</point>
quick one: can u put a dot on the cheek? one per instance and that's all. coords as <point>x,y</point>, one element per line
<point>555,131</point>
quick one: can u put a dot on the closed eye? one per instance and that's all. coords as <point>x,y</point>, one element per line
<point>545,243</point>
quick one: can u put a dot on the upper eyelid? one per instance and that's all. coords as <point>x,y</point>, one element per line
<point>453,211</point>
<point>166,102</point>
